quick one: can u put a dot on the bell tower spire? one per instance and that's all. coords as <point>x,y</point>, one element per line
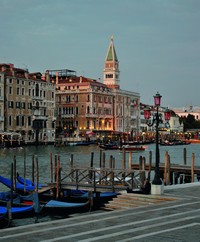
<point>111,67</point>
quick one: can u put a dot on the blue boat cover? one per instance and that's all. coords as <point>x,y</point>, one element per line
<point>3,209</point>
<point>28,182</point>
<point>102,194</point>
<point>7,182</point>
<point>54,203</point>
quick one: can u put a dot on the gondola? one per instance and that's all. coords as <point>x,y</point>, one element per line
<point>18,212</point>
<point>19,187</point>
<point>63,209</point>
<point>28,182</point>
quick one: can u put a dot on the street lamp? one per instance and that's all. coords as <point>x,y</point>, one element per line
<point>157,119</point>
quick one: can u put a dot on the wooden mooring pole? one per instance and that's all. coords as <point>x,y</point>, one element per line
<point>192,167</point>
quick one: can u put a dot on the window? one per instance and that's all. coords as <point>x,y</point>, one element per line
<point>23,105</point>
<point>29,105</point>
<point>29,92</point>
<point>10,121</point>
<point>17,120</point>
<point>109,75</point>
<point>10,104</point>
<point>37,90</point>
<point>29,120</point>
<point>88,109</point>
<point>68,99</point>
<point>10,89</point>
<point>17,81</point>
<point>23,120</point>
<point>18,92</point>
<point>17,104</point>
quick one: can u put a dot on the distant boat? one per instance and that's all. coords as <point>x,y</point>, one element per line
<point>109,146</point>
<point>133,147</point>
<point>174,142</point>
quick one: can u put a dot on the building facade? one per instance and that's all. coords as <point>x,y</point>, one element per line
<point>126,103</point>
<point>28,105</point>
<point>85,105</point>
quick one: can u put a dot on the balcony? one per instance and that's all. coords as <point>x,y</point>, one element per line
<point>91,115</point>
<point>67,115</point>
<point>39,117</point>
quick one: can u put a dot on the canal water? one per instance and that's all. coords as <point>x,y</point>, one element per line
<point>82,157</point>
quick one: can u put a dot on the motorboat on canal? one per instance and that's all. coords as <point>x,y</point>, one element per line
<point>174,142</point>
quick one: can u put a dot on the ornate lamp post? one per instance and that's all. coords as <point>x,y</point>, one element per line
<point>157,119</point>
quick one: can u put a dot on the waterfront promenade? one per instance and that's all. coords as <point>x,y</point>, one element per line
<point>174,219</point>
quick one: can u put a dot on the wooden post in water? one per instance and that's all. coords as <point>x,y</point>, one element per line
<point>33,169</point>
<point>104,164</point>
<point>58,177</point>
<point>140,168</point>
<point>143,176</point>
<point>14,173</point>
<point>11,185</point>
<point>55,168</point>
<point>111,167</point>
<point>165,169</point>
<point>113,162</point>
<point>24,172</point>
<point>185,156</point>
<point>169,171</point>
<point>37,174</point>
<point>51,168</point>
<point>150,164</point>
<point>91,165</point>
<point>192,167</point>
<point>130,161</point>
<point>123,161</point>
<point>100,159</point>
<point>72,166</point>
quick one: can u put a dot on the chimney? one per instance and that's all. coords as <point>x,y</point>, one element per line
<point>47,76</point>
<point>57,75</point>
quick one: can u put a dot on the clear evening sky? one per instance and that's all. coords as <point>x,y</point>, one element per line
<point>157,42</point>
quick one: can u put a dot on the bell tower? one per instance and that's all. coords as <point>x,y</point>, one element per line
<point>111,67</point>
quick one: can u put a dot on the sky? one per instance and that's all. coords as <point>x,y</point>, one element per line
<point>157,42</point>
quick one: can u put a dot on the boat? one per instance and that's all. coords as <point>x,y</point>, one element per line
<point>18,200</point>
<point>18,212</point>
<point>19,187</point>
<point>63,209</point>
<point>109,146</point>
<point>27,182</point>
<point>133,147</point>
<point>174,142</point>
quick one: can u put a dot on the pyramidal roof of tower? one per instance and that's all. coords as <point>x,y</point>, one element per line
<point>111,54</point>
